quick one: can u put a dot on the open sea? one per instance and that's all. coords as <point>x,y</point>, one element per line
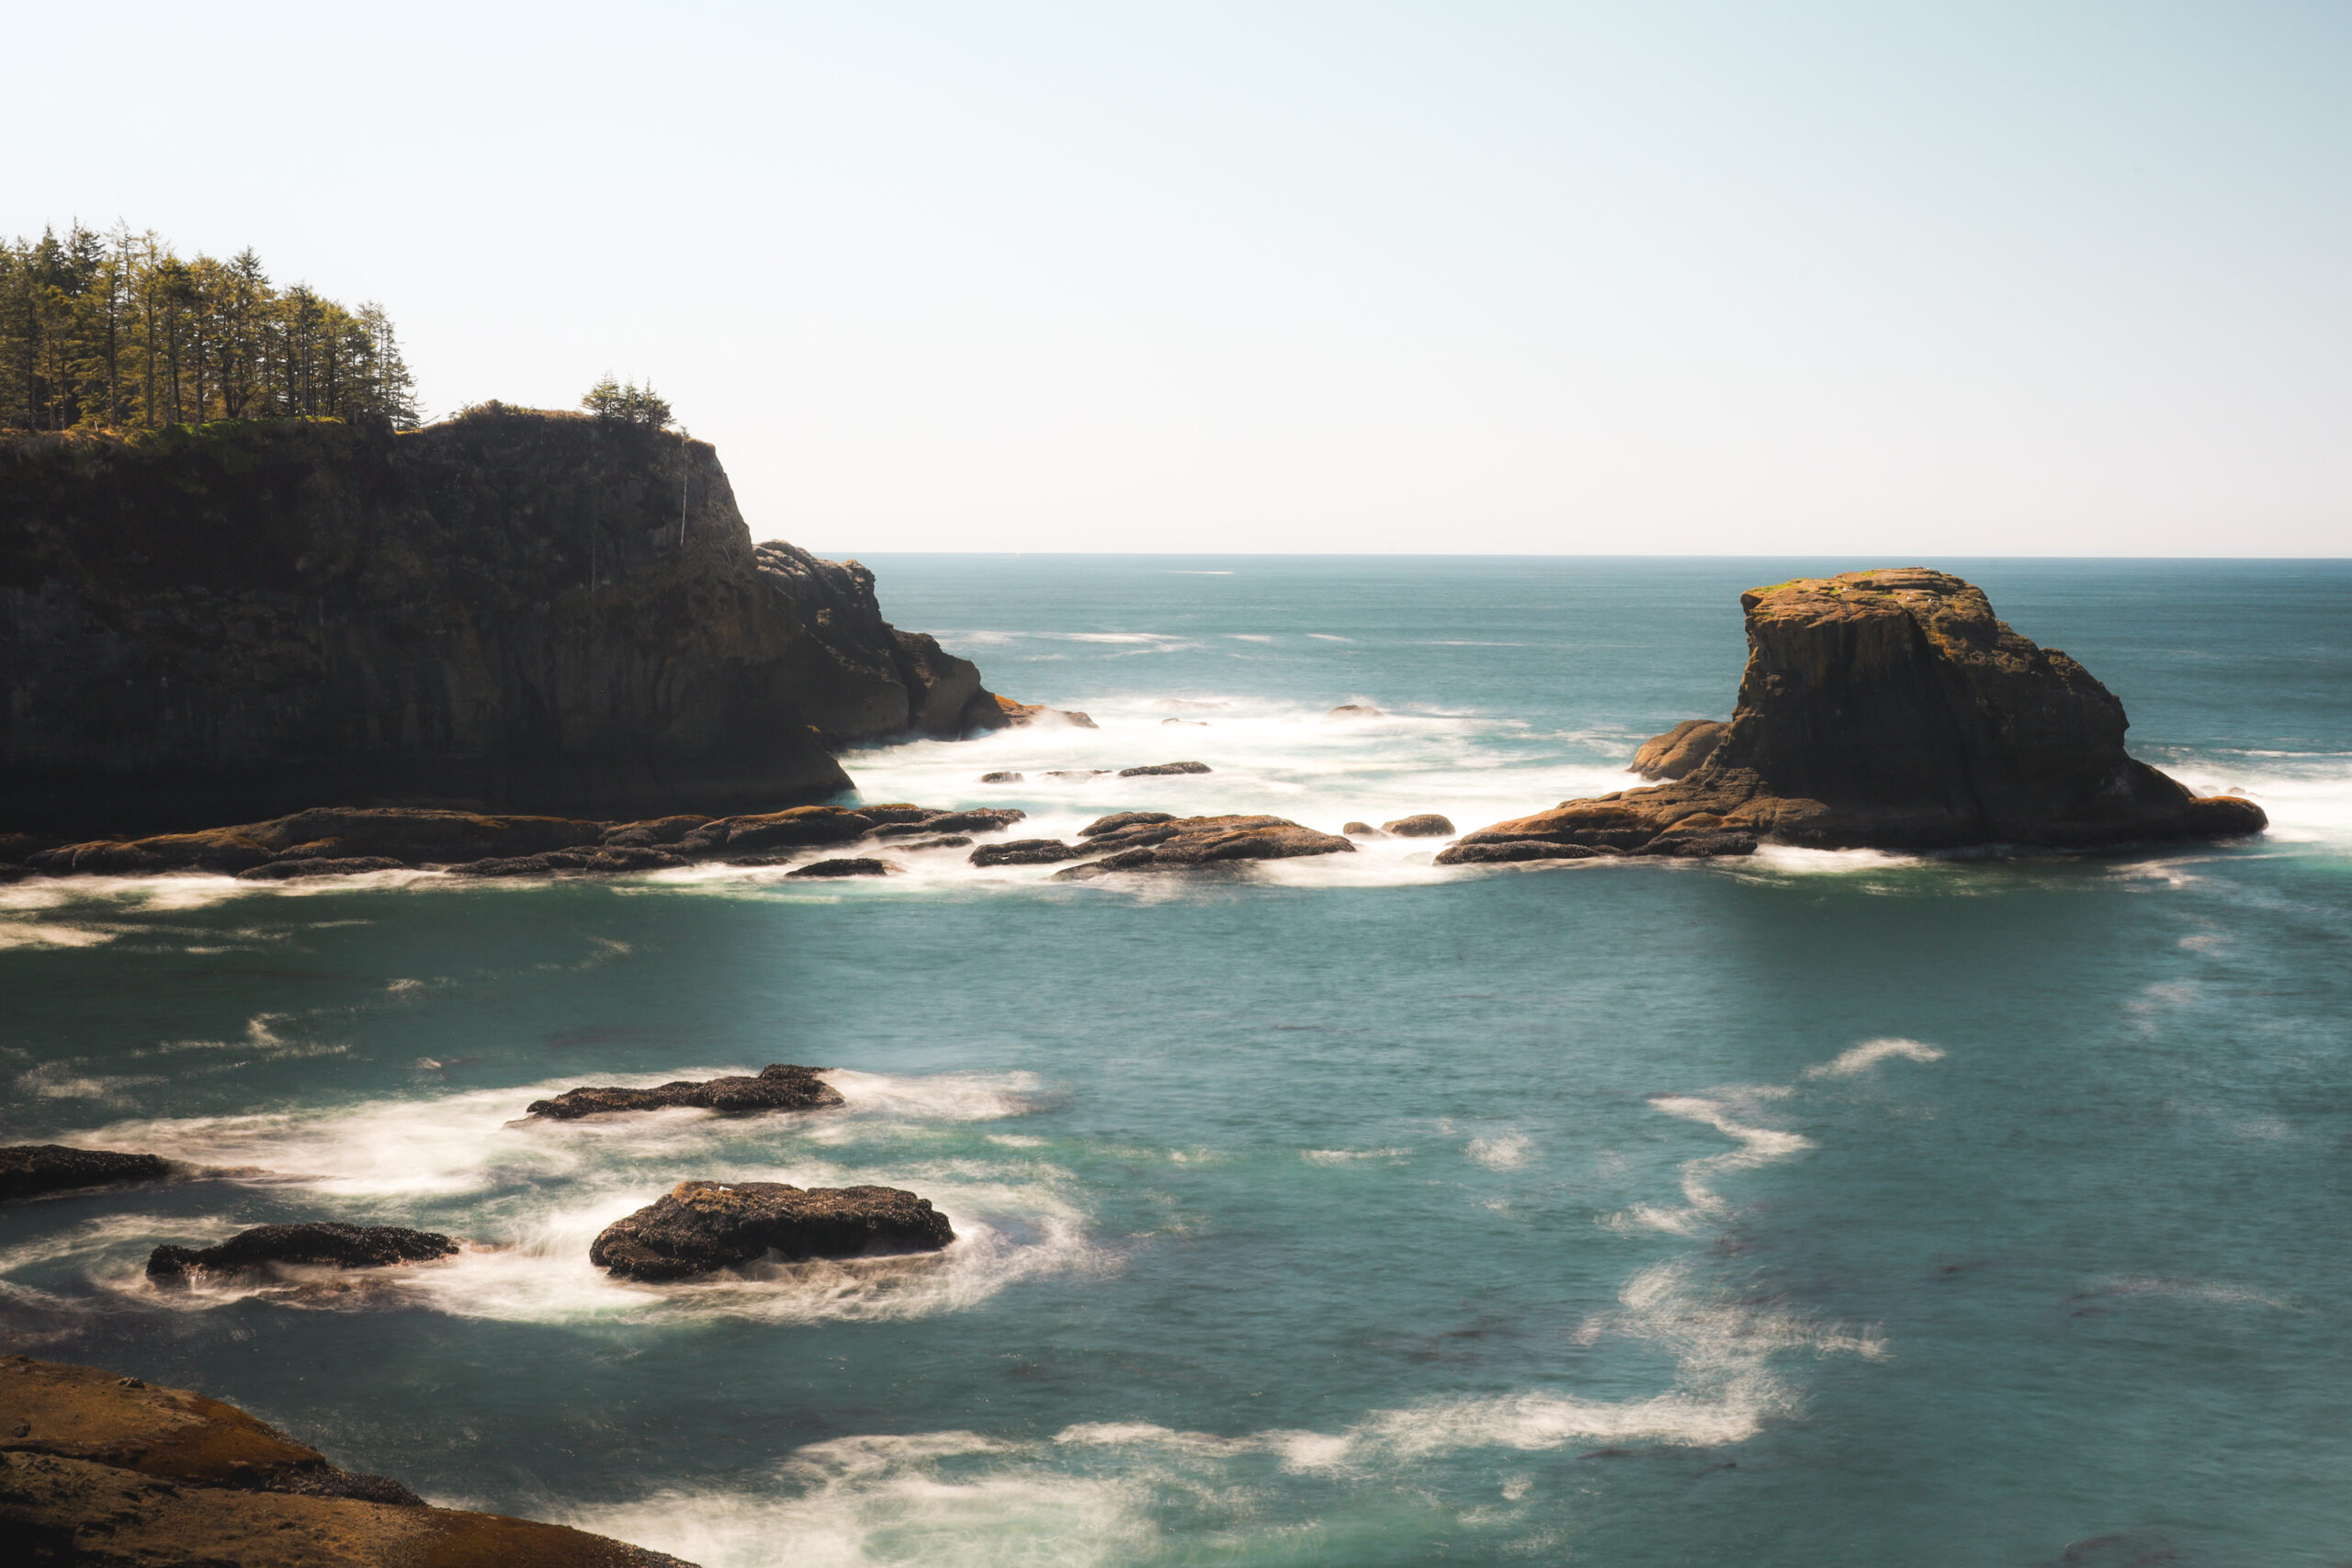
<point>1823,1210</point>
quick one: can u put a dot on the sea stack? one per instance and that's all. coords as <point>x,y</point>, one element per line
<point>1892,709</point>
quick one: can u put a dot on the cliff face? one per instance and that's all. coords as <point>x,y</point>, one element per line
<point>1892,709</point>
<point>515,610</point>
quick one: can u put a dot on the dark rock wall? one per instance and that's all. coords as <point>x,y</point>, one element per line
<point>504,610</point>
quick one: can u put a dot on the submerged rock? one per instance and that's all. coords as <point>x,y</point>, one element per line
<point>1004,778</point>
<point>1354,710</point>
<point>327,1244</point>
<point>1173,843</point>
<point>1427,825</point>
<point>1891,709</point>
<point>854,866</point>
<point>700,1227</point>
<point>98,1468</point>
<point>781,1086</point>
<point>1680,751</point>
<point>1078,773</point>
<point>1193,722</point>
<point>1362,831</point>
<point>35,1170</point>
<point>1159,769</point>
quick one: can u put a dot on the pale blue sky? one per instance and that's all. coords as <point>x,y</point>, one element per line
<point>1893,279</point>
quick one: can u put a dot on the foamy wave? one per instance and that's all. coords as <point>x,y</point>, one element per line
<point>2214,1293</point>
<point>1701,1205</point>
<point>529,1196</point>
<point>943,1499</point>
<point>1870,1054</point>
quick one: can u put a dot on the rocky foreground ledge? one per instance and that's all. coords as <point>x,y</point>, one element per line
<point>104,1470</point>
<point>1883,710</point>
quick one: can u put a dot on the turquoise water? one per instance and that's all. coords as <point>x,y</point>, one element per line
<point>1820,1209</point>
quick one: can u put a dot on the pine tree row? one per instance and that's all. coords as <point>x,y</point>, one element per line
<point>114,331</point>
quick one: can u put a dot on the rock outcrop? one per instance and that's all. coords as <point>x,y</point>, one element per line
<point>1891,709</point>
<point>700,1227</point>
<point>1025,851</point>
<point>105,1469</point>
<point>1020,715</point>
<point>852,865</point>
<point>318,1245</point>
<point>1153,840</point>
<point>1424,825</point>
<point>780,1086</point>
<point>1159,770</point>
<point>348,840</point>
<point>1678,752</point>
<point>510,610</point>
<point>36,1170</point>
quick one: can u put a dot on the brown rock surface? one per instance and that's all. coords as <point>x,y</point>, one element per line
<point>780,1086</point>
<point>1679,752</point>
<point>698,1226</point>
<point>1020,715</point>
<point>1891,709</point>
<point>1426,825</point>
<point>106,1470</point>
<point>1175,843</point>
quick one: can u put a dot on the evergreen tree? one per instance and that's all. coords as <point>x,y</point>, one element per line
<point>114,331</point>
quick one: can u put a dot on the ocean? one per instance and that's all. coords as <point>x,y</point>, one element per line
<point>1821,1209</point>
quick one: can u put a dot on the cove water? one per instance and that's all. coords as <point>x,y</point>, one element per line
<point>1820,1209</point>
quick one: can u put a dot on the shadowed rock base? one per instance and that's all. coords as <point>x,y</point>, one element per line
<point>325,1244</point>
<point>1890,710</point>
<point>33,1170</point>
<point>96,1468</point>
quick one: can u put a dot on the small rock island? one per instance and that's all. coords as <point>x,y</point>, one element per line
<point>1884,709</point>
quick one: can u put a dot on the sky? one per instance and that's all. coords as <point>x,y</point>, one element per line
<point>2048,279</point>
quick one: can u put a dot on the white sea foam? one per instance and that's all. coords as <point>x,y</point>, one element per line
<point>531,1195</point>
<point>941,1499</point>
<point>1870,1054</point>
<point>1702,1204</point>
<point>1507,1151</point>
<point>2213,1293</point>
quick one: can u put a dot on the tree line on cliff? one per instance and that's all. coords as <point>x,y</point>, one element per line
<point>116,331</point>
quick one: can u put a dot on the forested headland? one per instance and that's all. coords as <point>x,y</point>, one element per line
<point>116,331</point>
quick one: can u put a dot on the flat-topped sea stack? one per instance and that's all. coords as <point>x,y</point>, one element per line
<point>1888,709</point>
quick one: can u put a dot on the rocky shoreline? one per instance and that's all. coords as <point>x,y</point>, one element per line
<point>99,1468</point>
<point>1883,710</point>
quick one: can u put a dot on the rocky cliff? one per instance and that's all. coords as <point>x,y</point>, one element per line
<point>512,609</point>
<point>1891,709</point>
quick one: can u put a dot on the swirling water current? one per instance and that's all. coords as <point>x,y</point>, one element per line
<point>1814,1210</point>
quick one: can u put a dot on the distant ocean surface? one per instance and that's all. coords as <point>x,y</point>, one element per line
<point>1824,1210</point>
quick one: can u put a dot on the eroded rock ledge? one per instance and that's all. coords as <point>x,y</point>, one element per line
<point>1885,710</point>
<point>101,1468</point>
